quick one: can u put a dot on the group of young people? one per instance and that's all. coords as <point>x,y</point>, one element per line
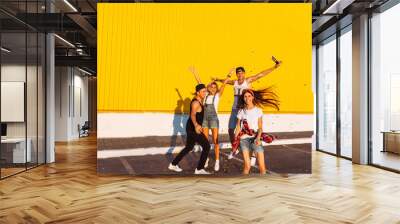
<point>245,122</point>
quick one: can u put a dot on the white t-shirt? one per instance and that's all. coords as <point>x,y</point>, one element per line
<point>209,100</point>
<point>251,116</point>
<point>237,91</point>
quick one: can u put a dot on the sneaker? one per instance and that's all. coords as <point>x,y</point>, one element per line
<point>232,154</point>
<point>206,164</point>
<point>174,168</point>
<point>216,166</point>
<point>202,171</point>
<point>253,161</point>
<point>197,148</point>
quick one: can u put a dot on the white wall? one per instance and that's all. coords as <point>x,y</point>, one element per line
<point>80,84</point>
<point>62,82</point>
<point>33,127</point>
<point>71,102</point>
<point>125,125</point>
<point>16,73</point>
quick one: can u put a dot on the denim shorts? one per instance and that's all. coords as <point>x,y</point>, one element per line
<point>247,144</point>
<point>210,123</point>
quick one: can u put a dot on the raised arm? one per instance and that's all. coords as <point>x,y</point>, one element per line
<point>229,81</point>
<point>263,73</point>
<point>226,80</point>
<point>221,90</point>
<point>193,70</point>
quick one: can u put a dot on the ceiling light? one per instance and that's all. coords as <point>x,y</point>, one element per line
<point>338,6</point>
<point>84,71</point>
<point>5,50</point>
<point>70,5</point>
<point>65,41</point>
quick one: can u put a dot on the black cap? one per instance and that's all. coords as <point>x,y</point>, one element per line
<point>200,87</point>
<point>240,69</point>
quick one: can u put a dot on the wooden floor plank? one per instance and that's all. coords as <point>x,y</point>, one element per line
<point>70,191</point>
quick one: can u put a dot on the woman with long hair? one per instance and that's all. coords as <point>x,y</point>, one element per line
<point>241,83</point>
<point>250,117</point>
<point>211,121</point>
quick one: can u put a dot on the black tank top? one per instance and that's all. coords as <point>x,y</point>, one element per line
<point>199,117</point>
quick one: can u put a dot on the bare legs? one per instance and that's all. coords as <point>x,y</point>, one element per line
<point>205,132</point>
<point>246,158</point>
<point>214,132</point>
<point>261,162</point>
<point>247,165</point>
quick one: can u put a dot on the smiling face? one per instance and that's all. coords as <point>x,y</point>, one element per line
<point>248,99</point>
<point>213,88</point>
<point>240,76</point>
<point>202,93</point>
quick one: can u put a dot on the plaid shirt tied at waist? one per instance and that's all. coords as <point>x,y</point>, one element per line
<point>267,138</point>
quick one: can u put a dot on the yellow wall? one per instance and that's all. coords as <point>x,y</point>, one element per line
<point>144,51</point>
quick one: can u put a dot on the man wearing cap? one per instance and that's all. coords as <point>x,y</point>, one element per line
<point>194,133</point>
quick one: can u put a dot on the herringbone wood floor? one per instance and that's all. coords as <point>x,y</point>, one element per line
<point>70,191</point>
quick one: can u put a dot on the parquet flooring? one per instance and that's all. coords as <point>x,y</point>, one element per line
<point>70,191</point>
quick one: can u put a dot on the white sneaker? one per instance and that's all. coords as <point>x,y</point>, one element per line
<point>197,148</point>
<point>174,168</point>
<point>206,164</point>
<point>253,161</point>
<point>202,171</point>
<point>231,155</point>
<point>216,166</point>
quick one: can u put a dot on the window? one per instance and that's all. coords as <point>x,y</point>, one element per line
<point>327,95</point>
<point>385,88</point>
<point>22,89</point>
<point>346,92</point>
